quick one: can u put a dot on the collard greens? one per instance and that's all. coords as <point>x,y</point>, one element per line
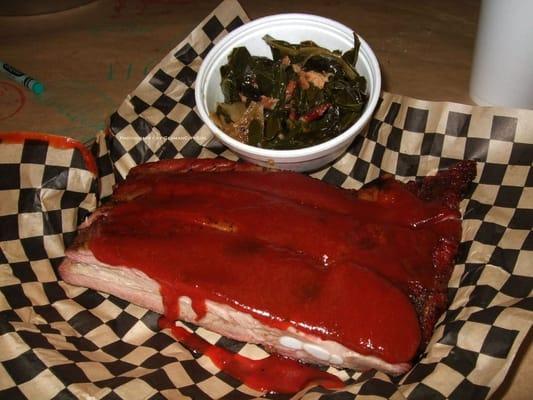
<point>302,96</point>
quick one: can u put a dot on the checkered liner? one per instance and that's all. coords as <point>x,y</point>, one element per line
<point>60,341</point>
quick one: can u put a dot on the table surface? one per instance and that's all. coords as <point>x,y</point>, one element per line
<point>89,59</point>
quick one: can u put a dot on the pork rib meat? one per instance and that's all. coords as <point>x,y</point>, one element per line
<point>321,274</point>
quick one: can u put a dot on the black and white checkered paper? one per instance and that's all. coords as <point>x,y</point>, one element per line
<point>58,341</point>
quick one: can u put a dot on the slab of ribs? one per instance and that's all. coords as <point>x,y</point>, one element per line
<point>311,271</point>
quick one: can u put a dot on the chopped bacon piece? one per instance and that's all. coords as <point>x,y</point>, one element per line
<point>292,115</point>
<point>289,91</point>
<point>286,61</point>
<point>308,78</point>
<point>316,112</point>
<point>268,102</point>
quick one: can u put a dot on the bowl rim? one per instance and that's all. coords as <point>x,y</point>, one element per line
<point>285,155</point>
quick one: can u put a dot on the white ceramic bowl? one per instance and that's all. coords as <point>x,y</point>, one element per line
<point>293,28</point>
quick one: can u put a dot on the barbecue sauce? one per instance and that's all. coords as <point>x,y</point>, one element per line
<point>314,258</point>
<point>59,142</point>
<point>263,374</point>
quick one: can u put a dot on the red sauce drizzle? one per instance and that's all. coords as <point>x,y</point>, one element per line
<point>59,142</point>
<point>262,375</point>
